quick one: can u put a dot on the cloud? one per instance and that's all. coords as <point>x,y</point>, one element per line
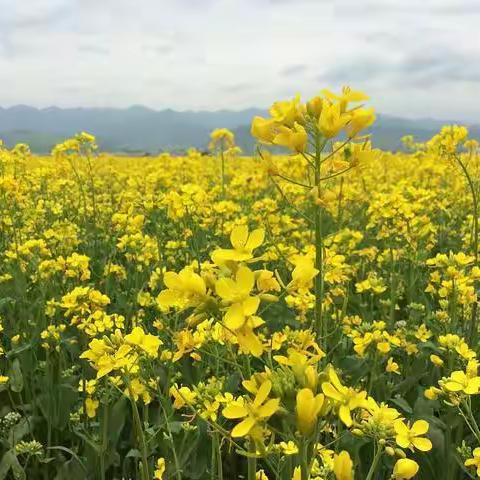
<point>237,87</point>
<point>34,14</point>
<point>159,49</point>
<point>408,7</point>
<point>94,49</point>
<point>417,69</point>
<point>294,70</point>
<point>214,54</point>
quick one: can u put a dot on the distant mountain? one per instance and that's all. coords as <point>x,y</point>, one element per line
<point>142,130</point>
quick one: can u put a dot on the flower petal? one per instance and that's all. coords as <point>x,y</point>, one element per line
<point>235,411</point>
<point>244,427</point>
<point>239,237</point>
<point>255,239</point>
<point>421,443</point>
<point>420,427</point>
<point>262,393</point>
<point>269,408</point>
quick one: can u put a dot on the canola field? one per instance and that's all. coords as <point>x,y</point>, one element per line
<point>305,315</point>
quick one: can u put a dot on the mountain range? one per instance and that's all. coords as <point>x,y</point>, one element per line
<point>141,130</point>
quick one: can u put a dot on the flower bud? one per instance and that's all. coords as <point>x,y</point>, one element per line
<point>400,453</point>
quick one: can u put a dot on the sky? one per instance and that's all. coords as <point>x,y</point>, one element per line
<point>414,58</point>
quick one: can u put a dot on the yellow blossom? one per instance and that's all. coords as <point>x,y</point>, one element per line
<point>411,437</point>
<point>252,412</point>
<point>405,469</point>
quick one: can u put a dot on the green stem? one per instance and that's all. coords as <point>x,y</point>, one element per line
<point>140,434</point>
<point>104,441</point>
<point>218,454</point>
<point>472,422</point>
<point>304,464</point>
<point>320,328</point>
<point>475,240</point>
<point>252,461</point>
<point>373,466</point>
<point>178,473</point>
<point>222,158</point>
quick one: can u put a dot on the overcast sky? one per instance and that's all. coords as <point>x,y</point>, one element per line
<point>416,58</point>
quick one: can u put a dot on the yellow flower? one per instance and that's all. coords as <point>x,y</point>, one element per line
<point>148,343</point>
<point>422,333</point>
<point>381,417</point>
<point>266,282</point>
<point>436,360</point>
<point>209,410</point>
<point>184,289</point>
<point>160,470</point>
<point>237,313</point>
<point>240,316</point>
<point>343,466</point>
<point>332,120</point>
<point>303,365</point>
<point>261,475</point>
<point>105,359</point>
<point>294,138</point>
<point>392,366</point>
<point>347,399</point>
<point>460,382</point>
<point>372,283</point>
<point>264,129</point>
<point>412,437</point>
<point>308,409</point>
<point>287,112</point>
<point>303,273</point>
<point>475,461</point>
<point>243,243</point>
<point>288,448</point>
<point>252,413</point>
<point>91,406</point>
<point>347,96</point>
<point>297,473</point>
<point>383,347</point>
<point>237,293</point>
<point>182,396</point>
<point>246,338</point>
<point>221,137</point>
<point>314,106</point>
<point>432,393</point>
<point>361,118</point>
<point>405,469</point>
<point>138,389</point>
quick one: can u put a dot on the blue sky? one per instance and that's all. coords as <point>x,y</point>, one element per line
<point>415,59</point>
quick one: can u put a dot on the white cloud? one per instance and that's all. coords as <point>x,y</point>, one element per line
<point>413,58</point>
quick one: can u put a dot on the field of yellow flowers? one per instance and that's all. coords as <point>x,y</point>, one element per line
<point>306,315</point>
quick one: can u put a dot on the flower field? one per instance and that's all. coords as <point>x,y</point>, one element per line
<point>310,314</point>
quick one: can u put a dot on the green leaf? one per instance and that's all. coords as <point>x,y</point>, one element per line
<point>403,404</point>
<point>57,404</point>
<point>175,427</point>
<point>133,453</point>
<point>70,452</point>
<point>116,421</point>
<point>10,462</point>
<point>71,470</point>
<point>20,430</point>
<point>6,301</point>
<point>16,377</point>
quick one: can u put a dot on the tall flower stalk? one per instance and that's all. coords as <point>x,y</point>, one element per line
<point>222,142</point>
<point>453,144</point>
<point>325,133</point>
